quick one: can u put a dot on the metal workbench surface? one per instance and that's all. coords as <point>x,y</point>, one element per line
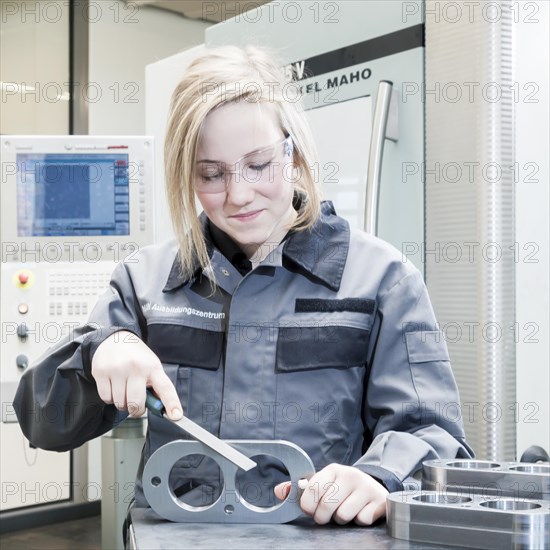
<point>152,532</point>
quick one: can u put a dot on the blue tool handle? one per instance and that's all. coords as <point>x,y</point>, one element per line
<point>154,404</point>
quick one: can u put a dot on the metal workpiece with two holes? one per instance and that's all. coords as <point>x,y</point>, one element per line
<point>230,506</point>
<point>469,521</point>
<point>518,480</point>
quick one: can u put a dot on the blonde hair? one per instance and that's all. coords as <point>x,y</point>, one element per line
<point>219,76</point>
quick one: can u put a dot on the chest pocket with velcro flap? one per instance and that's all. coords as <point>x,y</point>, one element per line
<point>188,346</point>
<point>338,341</point>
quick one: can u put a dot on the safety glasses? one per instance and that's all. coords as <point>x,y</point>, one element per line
<point>259,167</point>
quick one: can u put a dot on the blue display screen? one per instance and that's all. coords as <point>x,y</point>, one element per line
<point>72,195</point>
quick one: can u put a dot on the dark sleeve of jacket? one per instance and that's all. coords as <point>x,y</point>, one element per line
<point>56,402</point>
<point>412,407</point>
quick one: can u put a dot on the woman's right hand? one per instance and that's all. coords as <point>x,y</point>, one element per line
<point>124,367</point>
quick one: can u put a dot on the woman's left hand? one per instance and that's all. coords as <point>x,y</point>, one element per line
<point>341,493</point>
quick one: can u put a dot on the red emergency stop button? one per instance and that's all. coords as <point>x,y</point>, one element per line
<point>23,279</point>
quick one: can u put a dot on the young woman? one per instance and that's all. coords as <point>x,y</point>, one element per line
<point>266,318</point>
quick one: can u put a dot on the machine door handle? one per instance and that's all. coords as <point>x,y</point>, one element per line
<point>378,137</point>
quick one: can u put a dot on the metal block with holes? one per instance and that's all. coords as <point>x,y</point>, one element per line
<point>468,521</point>
<point>517,480</point>
<point>230,506</point>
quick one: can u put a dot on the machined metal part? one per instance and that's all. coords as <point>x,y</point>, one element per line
<point>468,521</point>
<point>230,507</point>
<point>488,478</point>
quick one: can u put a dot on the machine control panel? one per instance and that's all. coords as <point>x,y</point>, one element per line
<point>75,198</point>
<point>71,208</point>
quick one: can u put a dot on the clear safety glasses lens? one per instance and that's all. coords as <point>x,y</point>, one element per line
<point>259,167</point>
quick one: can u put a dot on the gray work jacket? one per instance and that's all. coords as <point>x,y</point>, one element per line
<point>330,343</point>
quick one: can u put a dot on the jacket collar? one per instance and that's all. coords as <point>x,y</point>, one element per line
<point>176,278</point>
<point>322,250</point>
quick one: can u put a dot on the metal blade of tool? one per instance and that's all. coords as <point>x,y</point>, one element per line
<point>154,404</point>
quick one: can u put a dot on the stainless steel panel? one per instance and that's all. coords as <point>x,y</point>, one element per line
<point>470,270</point>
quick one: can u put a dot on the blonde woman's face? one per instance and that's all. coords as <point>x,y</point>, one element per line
<point>242,176</point>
